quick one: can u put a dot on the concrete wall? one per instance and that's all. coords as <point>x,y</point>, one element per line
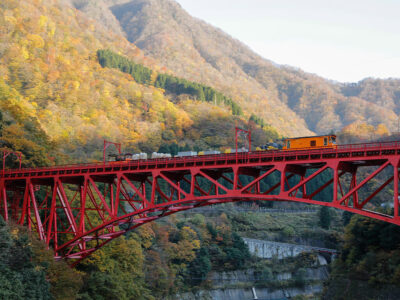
<point>269,249</point>
<point>247,294</point>
<point>221,279</point>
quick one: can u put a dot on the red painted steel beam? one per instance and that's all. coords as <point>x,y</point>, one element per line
<point>39,225</point>
<point>307,179</point>
<point>362,183</point>
<point>269,172</point>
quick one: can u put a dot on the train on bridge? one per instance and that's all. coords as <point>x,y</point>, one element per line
<point>298,143</point>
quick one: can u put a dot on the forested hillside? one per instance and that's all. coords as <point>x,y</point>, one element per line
<point>368,266</point>
<point>57,101</point>
<point>287,98</point>
<point>185,47</point>
<point>28,270</point>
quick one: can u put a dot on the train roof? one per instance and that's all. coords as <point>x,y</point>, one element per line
<point>307,137</point>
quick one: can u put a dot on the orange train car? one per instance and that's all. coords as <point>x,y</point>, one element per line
<point>310,142</point>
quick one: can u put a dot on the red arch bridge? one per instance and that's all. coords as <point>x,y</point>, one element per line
<point>77,209</point>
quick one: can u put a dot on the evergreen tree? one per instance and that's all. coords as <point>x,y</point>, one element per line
<point>199,268</point>
<point>346,217</point>
<point>20,278</point>
<point>325,217</point>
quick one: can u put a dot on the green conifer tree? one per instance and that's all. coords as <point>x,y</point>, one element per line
<point>325,217</point>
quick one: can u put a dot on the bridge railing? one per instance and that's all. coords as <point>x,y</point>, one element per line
<point>213,157</point>
<point>369,146</point>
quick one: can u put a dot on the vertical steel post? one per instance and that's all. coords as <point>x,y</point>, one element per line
<point>236,143</point>
<point>153,189</point>
<point>304,186</point>
<point>335,182</point>
<point>192,182</point>
<point>235,177</point>
<point>396,188</point>
<point>117,196</point>
<point>55,237</point>
<point>7,153</point>
<point>143,186</point>
<point>179,191</point>
<point>354,184</point>
<point>5,203</point>
<point>249,135</point>
<point>248,132</point>
<point>52,217</point>
<point>283,179</point>
<point>112,200</point>
<point>24,205</point>
<point>105,146</point>
<point>36,212</point>
<point>83,195</point>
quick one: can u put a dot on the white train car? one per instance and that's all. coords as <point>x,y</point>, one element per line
<point>160,155</point>
<point>186,153</point>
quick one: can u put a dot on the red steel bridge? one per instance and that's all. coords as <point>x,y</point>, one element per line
<point>76,209</point>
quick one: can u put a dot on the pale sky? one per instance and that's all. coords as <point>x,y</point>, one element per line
<point>342,40</point>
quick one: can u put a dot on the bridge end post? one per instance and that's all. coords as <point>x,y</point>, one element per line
<point>395,163</point>
<point>3,199</point>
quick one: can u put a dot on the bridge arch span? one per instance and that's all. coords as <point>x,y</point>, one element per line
<point>77,209</point>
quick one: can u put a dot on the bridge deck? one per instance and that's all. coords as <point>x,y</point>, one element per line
<point>343,152</point>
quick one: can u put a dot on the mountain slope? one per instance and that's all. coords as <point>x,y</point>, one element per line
<point>53,91</point>
<point>199,52</point>
<point>285,97</point>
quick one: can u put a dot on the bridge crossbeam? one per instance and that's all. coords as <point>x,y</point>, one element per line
<point>78,209</point>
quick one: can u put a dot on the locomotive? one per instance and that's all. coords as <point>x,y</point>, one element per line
<point>310,142</point>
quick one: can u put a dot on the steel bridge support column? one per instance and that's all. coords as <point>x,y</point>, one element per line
<point>112,200</point>
<point>52,222</point>
<point>36,211</point>
<point>3,197</point>
<point>395,163</point>
<point>66,207</point>
<point>25,213</point>
<point>282,169</point>
<point>302,178</point>
<point>193,173</point>
<point>117,196</point>
<point>335,167</point>
<point>155,175</point>
<point>235,170</point>
<point>83,194</point>
<point>142,188</point>
<point>353,185</point>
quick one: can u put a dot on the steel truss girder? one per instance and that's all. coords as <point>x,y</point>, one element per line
<point>81,213</point>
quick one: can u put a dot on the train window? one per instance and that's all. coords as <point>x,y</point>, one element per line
<point>288,144</point>
<point>333,140</point>
<point>325,141</point>
<point>313,143</point>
